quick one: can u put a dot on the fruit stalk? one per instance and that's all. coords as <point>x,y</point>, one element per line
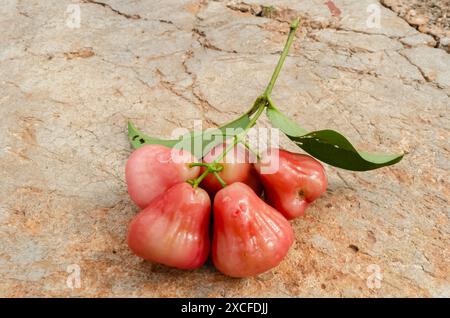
<point>287,46</point>
<point>259,105</point>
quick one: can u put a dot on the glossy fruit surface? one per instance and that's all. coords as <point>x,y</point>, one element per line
<point>250,237</point>
<point>297,181</point>
<point>152,169</point>
<point>174,229</point>
<point>237,167</point>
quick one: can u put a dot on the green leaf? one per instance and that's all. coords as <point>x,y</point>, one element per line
<point>139,139</point>
<point>286,125</point>
<point>330,146</point>
<point>197,142</point>
<point>209,137</point>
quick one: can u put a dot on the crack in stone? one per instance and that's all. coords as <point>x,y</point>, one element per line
<point>365,72</point>
<point>171,87</point>
<point>338,28</point>
<point>205,43</point>
<point>28,94</point>
<point>128,15</point>
<point>425,77</point>
<point>108,6</point>
<point>406,81</point>
<point>136,73</point>
<point>416,27</point>
<point>284,15</point>
<point>201,100</point>
<point>347,185</point>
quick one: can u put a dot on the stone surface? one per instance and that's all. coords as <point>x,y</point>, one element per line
<point>429,16</point>
<point>418,40</point>
<point>433,64</point>
<point>67,94</point>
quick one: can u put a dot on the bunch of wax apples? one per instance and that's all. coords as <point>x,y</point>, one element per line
<point>246,230</point>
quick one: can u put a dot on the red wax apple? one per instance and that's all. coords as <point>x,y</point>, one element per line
<point>250,237</point>
<point>152,169</point>
<point>174,229</point>
<point>295,181</point>
<point>237,167</point>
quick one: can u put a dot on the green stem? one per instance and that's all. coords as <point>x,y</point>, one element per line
<point>199,164</point>
<point>236,139</point>
<point>256,105</point>
<point>210,167</point>
<point>287,46</point>
<point>246,145</point>
<point>241,135</point>
<point>219,178</point>
<point>261,103</point>
<point>196,182</point>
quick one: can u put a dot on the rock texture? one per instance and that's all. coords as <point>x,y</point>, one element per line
<point>68,91</point>
<point>428,16</point>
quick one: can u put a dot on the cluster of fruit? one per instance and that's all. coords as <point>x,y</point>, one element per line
<point>249,236</point>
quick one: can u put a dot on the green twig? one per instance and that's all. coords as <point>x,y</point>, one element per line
<point>257,109</point>
<point>241,135</point>
<point>199,164</point>
<point>219,178</point>
<point>246,145</point>
<point>287,46</point>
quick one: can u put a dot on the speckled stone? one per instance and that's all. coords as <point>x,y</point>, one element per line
<point>68,92</point>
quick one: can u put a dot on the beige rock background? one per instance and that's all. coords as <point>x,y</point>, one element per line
<point>428,16</point>
<point>67,93</point>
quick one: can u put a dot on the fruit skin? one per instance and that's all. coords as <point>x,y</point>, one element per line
<point>298,181</point>
<point>152,169</point>
<point>237,167</point>
<point>250,237</point>
<point>174,229</point>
